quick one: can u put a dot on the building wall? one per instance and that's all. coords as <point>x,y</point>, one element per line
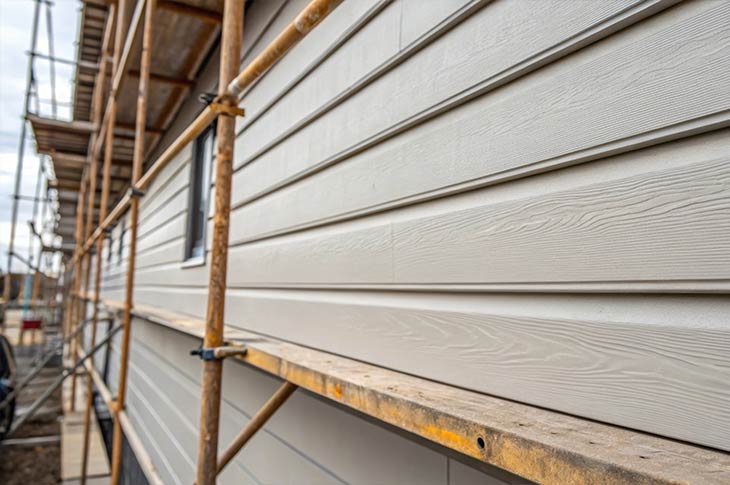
<point>528,199</point>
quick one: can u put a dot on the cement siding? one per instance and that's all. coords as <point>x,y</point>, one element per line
<point>519,197</point>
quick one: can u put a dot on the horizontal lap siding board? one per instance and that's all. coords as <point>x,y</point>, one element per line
<point>656,216</point>
<point>268,89</point>
<point>163,405</point>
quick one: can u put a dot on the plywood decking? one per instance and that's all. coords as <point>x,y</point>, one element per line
<point>72,437</point>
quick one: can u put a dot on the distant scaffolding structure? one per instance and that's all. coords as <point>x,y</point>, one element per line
<point>43,223</point>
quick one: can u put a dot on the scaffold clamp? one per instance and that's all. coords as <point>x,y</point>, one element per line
<point>217,353</point>
<point>135,192</point>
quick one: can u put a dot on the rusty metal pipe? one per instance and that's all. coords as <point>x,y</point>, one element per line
<point>75,285</point>
<point>141,122</point>
<point>257,422</point>
<point>105,189</point>
<point>307,19</point>
<point>232,34</point>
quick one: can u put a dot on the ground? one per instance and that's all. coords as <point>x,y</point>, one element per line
<point>33,464</point>
<point>37,464</point>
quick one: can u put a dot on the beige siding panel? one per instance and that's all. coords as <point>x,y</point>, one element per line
<point>460,474</point>
<point>502,135</point>
<point>483,49</point>
<point>167,231</point>
<point>537,279</point>
<point>376,41</point>
<point>169,252</point>
<point>635,361</point>
<point>659,216</point>
<point>190,301</point>
<point>399,460</point>
<point>171,179</point>
<point>173,275</point>
<point>152,219</point>
<point>176,397</point>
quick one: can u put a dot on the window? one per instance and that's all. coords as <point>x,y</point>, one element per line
<point>203,157</point>
<point>110,243</point>
<point>120,249</point>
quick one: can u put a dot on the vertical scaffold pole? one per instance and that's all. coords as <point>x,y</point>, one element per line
<point>84,257</point>
<point>139,146</point>
<point>19,167</point>
<point>75,287</point>
<point>211,383</point>
<point>105,186</point>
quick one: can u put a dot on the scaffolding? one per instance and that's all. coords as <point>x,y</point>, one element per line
<point>39,298</point>
<point>537,444</point>
<point>37,277</point>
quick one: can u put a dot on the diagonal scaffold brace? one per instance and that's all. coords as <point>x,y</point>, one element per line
<point>57,383</point>
<point>53,351</point>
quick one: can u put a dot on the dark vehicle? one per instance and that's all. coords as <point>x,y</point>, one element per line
<point>7,384</point>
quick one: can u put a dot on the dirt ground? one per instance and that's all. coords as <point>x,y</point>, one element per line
<point>36,464</point>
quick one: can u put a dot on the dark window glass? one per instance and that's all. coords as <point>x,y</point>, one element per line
<point>110,242</point>
<point>120,248</point>
<point>203,156</point>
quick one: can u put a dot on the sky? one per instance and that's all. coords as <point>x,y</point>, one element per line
<point>16,21</point>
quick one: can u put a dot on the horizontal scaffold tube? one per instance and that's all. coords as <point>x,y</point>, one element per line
<point>307,19</point>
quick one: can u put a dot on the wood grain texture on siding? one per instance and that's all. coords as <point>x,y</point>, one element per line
<point>639,362</point>
<point>419,16</point>
<point>361,54</point>
<point>486,46</point>
<point>667,222</point>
